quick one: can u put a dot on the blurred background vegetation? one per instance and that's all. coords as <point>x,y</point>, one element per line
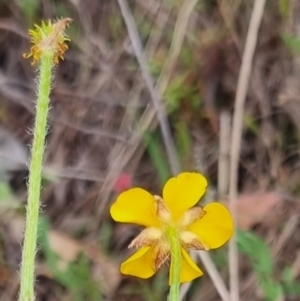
<point>104,137</point>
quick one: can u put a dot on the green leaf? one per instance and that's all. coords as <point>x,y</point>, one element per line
<point>260,256</point>
<point>284,7</point>
<point>183,142</point>
<point>292,42</point>
<point>290,285</point>
<point>272,289</point>
<point>175,92</point>
<point>29,8</point>
<point>153,145</point>
<point>251,124</point>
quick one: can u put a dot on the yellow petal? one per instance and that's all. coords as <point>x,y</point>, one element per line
<point>141,264</point>
<point>189,269</point>
<point>136,206</point>
<point>215,228</point>
<point>183,192</point>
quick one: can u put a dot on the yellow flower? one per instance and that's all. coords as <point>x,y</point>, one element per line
<point>197,228</point>
<point>49,37</point>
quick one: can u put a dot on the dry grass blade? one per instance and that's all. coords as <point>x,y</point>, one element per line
<point>177,40</point>
<point>215,276</point>
<point>242,89</point>
<point>224,151</point>
<point>228,13</point>
<point>156,99</point>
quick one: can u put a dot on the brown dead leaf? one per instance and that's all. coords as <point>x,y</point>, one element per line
<point>105,270</point>
<point>64,246</point>
<point>256,207</point>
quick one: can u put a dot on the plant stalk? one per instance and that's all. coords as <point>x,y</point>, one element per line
<point>175,264</point>
<point>34,183</point>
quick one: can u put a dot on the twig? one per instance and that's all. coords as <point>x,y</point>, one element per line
<point>224,153</point>
<point>214,275</point>
<point>156,99</point>
<point>242,88</point>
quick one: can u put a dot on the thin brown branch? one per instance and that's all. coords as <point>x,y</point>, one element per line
<point>242,89</point>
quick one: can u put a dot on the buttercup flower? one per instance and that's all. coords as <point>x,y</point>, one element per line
<point>197,228</point>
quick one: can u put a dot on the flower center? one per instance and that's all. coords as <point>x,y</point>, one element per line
<point>159,238</point>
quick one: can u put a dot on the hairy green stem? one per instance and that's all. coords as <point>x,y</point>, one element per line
<point>34,183</point>
<point>175,264</point>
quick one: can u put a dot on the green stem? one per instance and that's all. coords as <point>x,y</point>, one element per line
<point>175,264</point>
<point>34,183</point>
